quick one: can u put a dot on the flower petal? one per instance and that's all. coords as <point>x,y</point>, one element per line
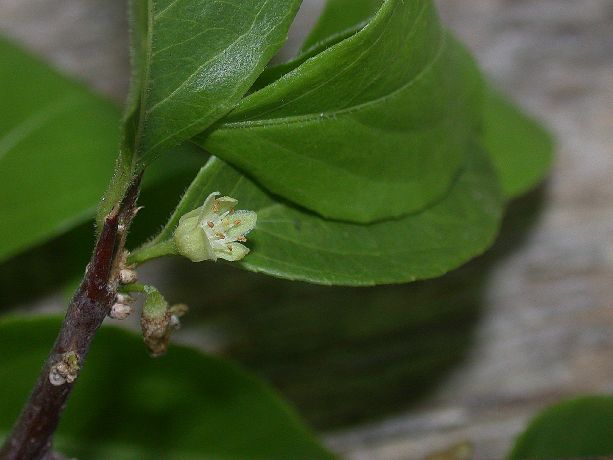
<point>225,203</point>
<point>237,252</point>
<point>191,241</point>
<point>206,208</point>
<point>242,223</point>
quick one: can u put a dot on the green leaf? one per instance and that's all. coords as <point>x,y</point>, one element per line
<point>578,428</point>
<point>520,148</point>
<point>58,144</point>
<point>388,112</point>
<point>289,242</point>
<point>57,148</point>
<point>194,60</point>
<point>126,405</point>
<point>274,72</point>
<point>339,20</point>
<point>340,17</point>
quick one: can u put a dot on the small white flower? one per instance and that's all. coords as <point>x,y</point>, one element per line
<point>214,230</point>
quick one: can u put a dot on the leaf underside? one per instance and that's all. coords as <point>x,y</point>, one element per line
<point>290,242</point>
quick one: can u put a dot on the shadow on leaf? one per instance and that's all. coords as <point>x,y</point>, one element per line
<point>342,355</point>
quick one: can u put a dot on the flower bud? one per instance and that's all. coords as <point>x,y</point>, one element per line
<point>120,311</point>
<point>155,322</point>
<point>124,298</point>
<point>65,370</point>
<point>127,276</point>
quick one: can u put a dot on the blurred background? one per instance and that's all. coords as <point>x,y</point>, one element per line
<point>399,372</point>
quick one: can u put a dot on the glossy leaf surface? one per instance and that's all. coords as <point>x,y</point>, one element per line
<point>194,59</point>
<point>289,242</point>
<point>580,428</point>
<point>127,405</point>
<point>373,127</point>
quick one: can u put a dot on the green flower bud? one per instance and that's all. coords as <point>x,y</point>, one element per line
<point>214,230</point>
<point>155,321</point>
<point>159,321</point>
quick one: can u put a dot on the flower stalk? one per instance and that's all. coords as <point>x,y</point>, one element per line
<point>212,231</point>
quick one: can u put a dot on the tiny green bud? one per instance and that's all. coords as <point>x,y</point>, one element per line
<point>154,322</point>
<point>159,321</point>
<point>214,230</point>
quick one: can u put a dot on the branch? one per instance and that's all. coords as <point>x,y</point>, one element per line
<point>32,435</point>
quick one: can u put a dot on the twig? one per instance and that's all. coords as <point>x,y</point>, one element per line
<point>32,435</point>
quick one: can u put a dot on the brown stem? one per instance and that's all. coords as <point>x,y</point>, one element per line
<point>32,435</point>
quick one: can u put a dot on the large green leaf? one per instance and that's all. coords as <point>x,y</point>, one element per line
<point>58,144</point>
<point>373,127</point>
<point>194,60</point>
<point>580,428</point>
<point>293,243</point>
<point>521,149</point>
<point>57,148</point>
<point>35,210</point>
<point>185,406</point>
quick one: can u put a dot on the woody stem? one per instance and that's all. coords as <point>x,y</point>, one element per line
<point>32,434</point>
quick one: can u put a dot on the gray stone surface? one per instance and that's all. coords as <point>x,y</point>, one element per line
<point>546,331</point>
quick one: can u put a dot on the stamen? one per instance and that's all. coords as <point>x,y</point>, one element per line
<point>210,224</point>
